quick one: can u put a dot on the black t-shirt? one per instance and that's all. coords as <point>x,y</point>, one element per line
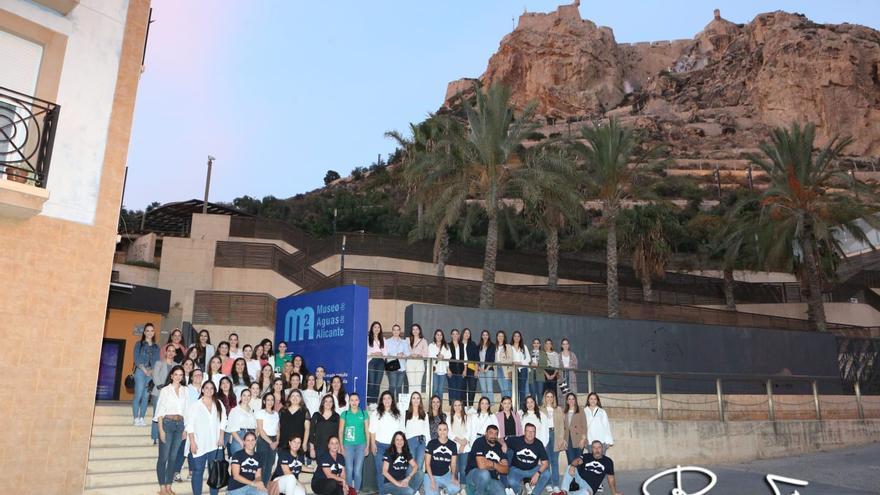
<point>294,463</point>
<point>398,464</point>
<point>593,471</point>
<point>323,429</point>
<point>441,455</point>
<point>481,448</point>
<point>325,460</point>
<point>292,425</point>
<point>526,455</point>
<point>509,426</point>
<point>248,467</point>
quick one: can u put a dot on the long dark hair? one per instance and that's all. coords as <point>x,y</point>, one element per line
<point>144,333</point>
<point>442,338</point>
<point>577,407</point>
<point>412,340</point>
<point>598,400</point>
<point>228,399</point>
<point>470,335</point>
<point>522,346</point>
<point>380,408</point>
<point>171,335</point>
<point>370,335</point>
<point>340,396</point>
<point>409,410</point>
<point>245,378</point>
<point>217,404</point>
<point>487,341</point>
<point>440,414</point>
<point>173,369</point>
<point>537,410</point>
<point>263,344</point>
<point>391,451</point>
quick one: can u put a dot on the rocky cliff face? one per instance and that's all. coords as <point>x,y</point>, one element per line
<point>730,83</point>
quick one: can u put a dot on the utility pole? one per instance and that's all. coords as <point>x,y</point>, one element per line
<point>208,184</point>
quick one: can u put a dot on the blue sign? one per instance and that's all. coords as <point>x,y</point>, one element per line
<point>328,328</point>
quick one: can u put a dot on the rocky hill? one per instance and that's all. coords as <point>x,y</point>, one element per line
<point>720,91</point>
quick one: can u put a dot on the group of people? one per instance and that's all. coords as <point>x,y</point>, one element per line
<point>262,409</point>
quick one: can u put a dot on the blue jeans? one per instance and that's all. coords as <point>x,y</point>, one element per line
<point>375,370</point>
<point>470,389</point>
<point>572,453</point>
<point>483,483</point>
<point>180,456</point>
<point>487,384</point>
<point>523,378</point>
<point>411,489</point>
<point>456,388</point>
<point>354,465</point>
<point>154,430</point>
<point>197,470</point>
<point>439,386</point>
<point>246,490</point>
<point>442,482</point>
<point>168,450</point>
<point>234,446</point>
<point>584,487</point>
<point>516,476</point>
<point>377,461</point>
<point>266,455</point>
<point>139,404</point>
<point>554,460</point>
<point>462,465</point>
<point>417,449</point>
<point>395,382</point>
<point>503,382</point>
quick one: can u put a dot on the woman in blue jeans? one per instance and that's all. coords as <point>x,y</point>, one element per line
<point>353,427</point>
<point>204,418</point>
<point>376,365</point>
<point>169,418</point>
<point>146,352</point>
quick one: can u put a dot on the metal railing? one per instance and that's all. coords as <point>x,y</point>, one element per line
<point>667,396</point>
<point>27,136</point>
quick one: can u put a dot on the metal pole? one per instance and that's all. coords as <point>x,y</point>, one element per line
<point>208,184</point>
<point>429,380</point>
<point>751,181</point>
<point>816,400</point>
<point>590,381</point>
<point>515,384</point>
<point>770,408</point>
<point>659,397</point>
<point>342,262</point>
<point>858,391</point>
<point>720,394</point>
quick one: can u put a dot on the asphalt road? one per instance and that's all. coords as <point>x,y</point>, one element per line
<point>852,471</point>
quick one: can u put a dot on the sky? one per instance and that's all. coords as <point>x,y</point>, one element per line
<point>280,91</point>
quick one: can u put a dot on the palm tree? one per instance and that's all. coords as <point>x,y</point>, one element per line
<point>644,232</point>
<point>733,241</point>
<point>612,157</point>
<point>548,186</point>
<point>805,205</point>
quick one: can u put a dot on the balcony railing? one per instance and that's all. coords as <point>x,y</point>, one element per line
<point>27,135</point>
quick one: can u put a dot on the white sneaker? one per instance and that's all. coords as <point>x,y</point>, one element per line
<point>529,488</point>
<point>549,489</point>
<point>601,489</point>
<point>509,491</point>
<point>556,489</point>
<point>136,421</point>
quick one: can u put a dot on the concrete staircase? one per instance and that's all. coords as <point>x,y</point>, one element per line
<point>122,457</point>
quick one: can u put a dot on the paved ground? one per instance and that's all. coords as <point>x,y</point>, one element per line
<point>853,471</point>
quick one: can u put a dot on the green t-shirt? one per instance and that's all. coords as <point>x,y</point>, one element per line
<point>279,361</point>
<point>354,432</point>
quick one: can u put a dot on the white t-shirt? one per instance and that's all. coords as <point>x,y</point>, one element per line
<point>312,398</point>
<point>542,432</point>
<point>253,368</point>
<point>434,351</point>
<point>205,425</point>
<point>270,421</point>
<point>417,427</point>
<point>239,419</point>
<point>385,427</point>
<point>461,431</point>
<point>478,423</point>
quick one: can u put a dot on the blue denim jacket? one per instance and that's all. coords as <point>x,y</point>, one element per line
<point>145,354</point>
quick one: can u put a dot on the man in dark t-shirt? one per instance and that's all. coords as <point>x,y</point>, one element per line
<point>440,462</point>
<point>529,461</point>
<point>486,461</point>
<point>588,471</point>
<point>246,467</point>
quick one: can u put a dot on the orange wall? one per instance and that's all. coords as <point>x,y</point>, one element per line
<point>120,324</point>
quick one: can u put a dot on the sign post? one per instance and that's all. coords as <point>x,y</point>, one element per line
<point>328,328</point>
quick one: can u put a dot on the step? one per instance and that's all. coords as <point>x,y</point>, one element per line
<point>116,430</point>
<point>126,452</point>
<point>115,465</point>
<point>145,475</point>
<point>141,440</point>
<point>118,409</point>
<point>112,419</point>
<point>141,489</point>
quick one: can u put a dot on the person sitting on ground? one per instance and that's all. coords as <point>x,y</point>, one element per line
<point>291,462</point>
<point>588,471</point>
<point>441,456</point>
<point>399,468</point>
<point>529,462</point>
<point>486,461</point>
<point>246,469</point>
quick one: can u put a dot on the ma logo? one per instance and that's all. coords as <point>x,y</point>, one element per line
<point>299,324</point>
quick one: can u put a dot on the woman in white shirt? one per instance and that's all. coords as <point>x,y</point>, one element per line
<point>598,427</point>
<point>267,434</point>
<point>169,418</point>
<point>531,415</point>
<point>214,371</point>
<point>234,350</point>
<point>415,368</point>
<point>568,362</point>
<point>396,349</point>
<point>480,420</point>
<point>311,396</point>
<point>253,365</point>
<point>503,356</point>
<point>460,433</point>
<point>239,376</point>
<point>241,420</point>
<point>384,423</point>
<point>205,420</point>
<point>522,357</point>
<point>336,389</point>
<point>440,351</point>
<point>417,430</point>
<point>554,421</point>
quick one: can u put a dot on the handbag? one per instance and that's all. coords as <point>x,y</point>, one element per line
<point>218,472</point>
<point>392,365</point>
<point>129,380</point>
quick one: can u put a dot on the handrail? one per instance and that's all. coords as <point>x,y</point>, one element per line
<point>27,136</point>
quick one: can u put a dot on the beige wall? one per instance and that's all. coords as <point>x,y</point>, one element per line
<point>120,324</point>
<point>253,280</point>
<point>282,244</point>
<point>138,275</point>
<point>330,266</point>
<point>388,311</point>
<point>55,271</point>
<point>747,276</point>
<point>843,313</point>
<point>246,335</point>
